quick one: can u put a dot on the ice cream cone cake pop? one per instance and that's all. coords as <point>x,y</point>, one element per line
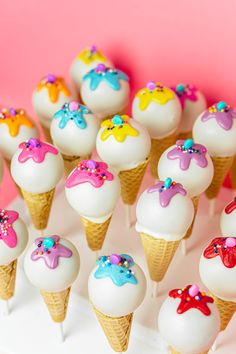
<point>218,273</point>
<point>116,287</point>
<point>105,91</point>
<point>74,130</point>
<point>85,61</point>
<point>159,110</point>
<point>190,164</point>
<point>228,219</point>
<point>52,264</point>
<point>36,168</point>
<point>164,213</point>
<point>193,103</point>
<point>93,191</point>
<point>48,97</point>
<point>216,129</point>
<point>189,321</point>
<point>13,241</point>
<point>123,143</point>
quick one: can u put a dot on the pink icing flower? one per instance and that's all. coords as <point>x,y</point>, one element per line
<point>185,92</point>
<point>90,171</point>
<point>167,190</point>
<point>7,233</point>
<point>36,150</point>
<point>50,249</point>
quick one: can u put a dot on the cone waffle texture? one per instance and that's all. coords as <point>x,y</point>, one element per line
<point>116,329</point>
<point>233,174</point>
<point>226,310</point>
<point>173,351</point>
<point>95,233</point>
<point>130,181</point>
<point>221,167</point>
<point>184,135</point>
<point>46,133</point>
<point>57,304</point>
<point>39,206</point>
<point>70,162</point>
<point>157,148</point>
<point>7,280</point>
<point>195,201</point>
<point>159,254</point>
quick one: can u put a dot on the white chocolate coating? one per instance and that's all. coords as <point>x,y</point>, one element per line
<point>113,300</point>
<point>79,69</point>
<point>44,108</point>
<point>9,144</point>
<point>218,141</point>
<point>190,332</point>
<point>95,204</point>
<point>170,223</point>
<point>127,154</point>
<point>195,179</point>
<point>52,280</point>
<point>7,254</point>
<point>1,169</point>
<point>219,279</point>
<point>37,177</point>
<point>228,223</point>
<point>71,140</point>
<point>191,111</point>
<point>160,120</point>
<point>104,101</point>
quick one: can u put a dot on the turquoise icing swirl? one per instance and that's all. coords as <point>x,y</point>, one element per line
<point>111,76</point>
<point>72,111</point>
<point>117,268</point>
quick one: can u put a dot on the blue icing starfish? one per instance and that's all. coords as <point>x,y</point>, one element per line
<point>72,111</point>
<point>102,73</point>
<point>117,267</point>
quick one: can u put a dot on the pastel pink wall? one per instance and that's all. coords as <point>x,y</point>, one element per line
<point>169,41</point>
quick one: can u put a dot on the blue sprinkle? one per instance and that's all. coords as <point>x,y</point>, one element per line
<point>221,105</point>
<point>168,182</point>
<point>188,143</point>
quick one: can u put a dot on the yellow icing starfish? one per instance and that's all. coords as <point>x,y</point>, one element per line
<point>54,87</point>
<point>89,55</point>
<point>14,118</point>
<point>154,92</point>
<point>119,127</point>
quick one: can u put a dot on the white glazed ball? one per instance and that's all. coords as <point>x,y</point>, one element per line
<point>190,332</point>
<point>228,222</point>
<point>37,177</point>
<point>195,179</point>
<point>7,254</point>
<point>218,141</point>
<point>169,223</point>
<point>1,169</point>
<point>113,300</point>
<point>52,280</point>
<point>127,154</point>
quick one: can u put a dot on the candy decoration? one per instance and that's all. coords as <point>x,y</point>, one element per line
<point>231,206</point>
<point>151,85</point>
<point>188,144</point>
<point>7,232</point>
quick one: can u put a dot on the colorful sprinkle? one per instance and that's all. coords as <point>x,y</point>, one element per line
<point>7,232</point>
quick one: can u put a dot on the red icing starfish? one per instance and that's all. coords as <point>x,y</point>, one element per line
<point>231,206</point>
<point>36,150</point>
<point>221,246</point>
<point>198,301</point>
<point>7,233</point>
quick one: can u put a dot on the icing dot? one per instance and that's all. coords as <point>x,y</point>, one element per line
<point>151,85</point>
<point>48,242</point>
<point>221,105</point>
<point>168,183</point>
<point>93,49</point>
<point>12,111</point>
<point>51,78</point>
<point>33,142</point>
<point>230,242</point>
<point>73,106</point>
<point>91,164</point>
<point>101,68</point>
<point>193,290</point>
<point>180,88</point>
<point>188,143</point>
<point>117,120</point>
<point>115,259</point>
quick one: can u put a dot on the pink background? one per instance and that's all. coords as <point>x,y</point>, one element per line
<point>169,41</point>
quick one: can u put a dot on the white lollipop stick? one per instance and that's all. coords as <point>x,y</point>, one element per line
<point>184,247</point>
<point>61,332</point>
<point>41,232</point>
<point>7,308</point>
<point>128,215</point>
<point>212,207</point>
<point>154,289</point>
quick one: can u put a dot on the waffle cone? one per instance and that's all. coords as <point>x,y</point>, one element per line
<point>226,310</point>
<point>7,280</point>
<point>157,148</point>
<point>70,162</point>
<point>159,254</point>
<point>57,304</point>
<point>221,167</point>
<point>130,181</point>
<point>39,206</point>
<point>184,135</point>
<point>46,133</point>
<point>233,174</point>
<point>95,233</point>
<point>116,329</point>
<point>173,351</point>
<point>195,201</point>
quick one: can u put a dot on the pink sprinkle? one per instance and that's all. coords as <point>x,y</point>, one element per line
<point>151,85</point>
<point>230,242</point>
<point>194,290</point>
<point>115,259</point>
<point>100,68</point>
<point>73,106</point>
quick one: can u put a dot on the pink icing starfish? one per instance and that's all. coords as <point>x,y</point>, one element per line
<point>36,150</point>
<point>90,171</point>
<point>167,190</point>
<point>49,249</point>
<point>7,233</point>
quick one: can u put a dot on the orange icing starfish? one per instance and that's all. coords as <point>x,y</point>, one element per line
<point>54,85</point>
<point>154,92</point>
<point>14,118</point>
<point>119,127</point>
<point>91,54</point>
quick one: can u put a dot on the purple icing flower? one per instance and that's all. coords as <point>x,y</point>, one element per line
<point>223,113</point>
<point>167,191</point>
<point>196,152</point>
